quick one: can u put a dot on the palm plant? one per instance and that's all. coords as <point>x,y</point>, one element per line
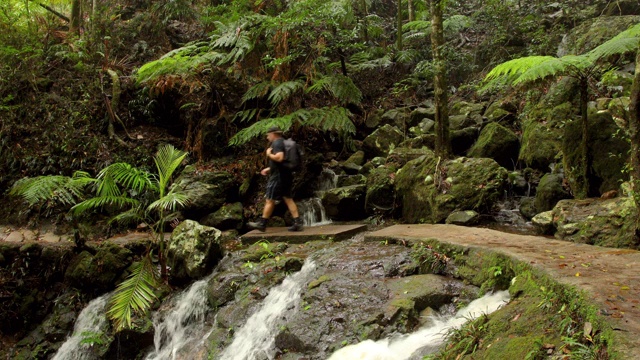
<point>139,196</point>
<point>531,69</point>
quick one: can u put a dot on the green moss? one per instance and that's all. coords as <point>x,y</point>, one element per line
<point>315,283</point>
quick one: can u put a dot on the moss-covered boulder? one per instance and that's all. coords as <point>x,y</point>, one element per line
<point>401,155</point>
<point>462,140</point>
<point>527,207</point>
<point>398,117</point>
<point>192,251</point>
<point>382,140</point>
<point>498,143</point>
<point>609,223</point>
<point>430,190</point>
<point>464,218</point>
<point>345,203</point>
<point>207,190</point>
<point>497,112</point>
<point>549,192</point>
<point>474,110</point>
<point>357,158</point>
<point>543,223</point>
<point>228,217</point>
<point>348,180</point>
<point>100,272</point>
<point>608,148</point>
<point>380,196</point>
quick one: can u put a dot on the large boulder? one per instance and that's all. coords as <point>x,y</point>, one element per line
<point>380,196</point>
<point>228,217</point>
<point>401,155</point>
<point>500,112</point>
<point>608,148</point>
<point>593,32</point>
<point>431,189</point>
<point>609,223</point>
<point>398,117</point>
<point>464,218</point>
<point>549,192</point>
<point>382,140</point>
<point>100,272</point>
<point>192,251</point>
<point>462,140</point>
<point>345,203</point>
<point>498,143</point>
<point>207,190</point>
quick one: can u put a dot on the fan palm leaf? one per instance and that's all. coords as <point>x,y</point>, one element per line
<point>126,175</point>
<point>134,295</point>
<point>169,202</point>
<point>99,202</point>
<point>167,160</point>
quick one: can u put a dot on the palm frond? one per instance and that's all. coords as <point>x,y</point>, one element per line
<point>63,189</point>
<point>135,215</point>
<point>284,91</point>
<point>246,115</point>
<point>257,91</point>
<point>126,175</point>
<point>170,202</point>
<point>167,160</point>
<point>340,86</point>
<point>624,42</point>
<point>134,295</point>
<point>99,202</point>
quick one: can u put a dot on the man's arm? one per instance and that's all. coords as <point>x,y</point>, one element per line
<point>277,157</point>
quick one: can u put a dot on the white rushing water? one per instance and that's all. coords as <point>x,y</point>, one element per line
<point>182,324</point>
<point>92,322</point>
<point>313,213</point>
<point>401,348</point>
<point>256,338</point>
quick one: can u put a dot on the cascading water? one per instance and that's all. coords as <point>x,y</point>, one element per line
<point>403,347</point>
<point>182,325</point>
<point>92,321</point>
<point>311,210</point>
<point>256,338</point>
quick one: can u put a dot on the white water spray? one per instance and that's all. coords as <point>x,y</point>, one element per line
<point>313,213</point>
<point>403,347</point>
<point>256,338</point>
<point>182,325</point>
<point>91,322</point>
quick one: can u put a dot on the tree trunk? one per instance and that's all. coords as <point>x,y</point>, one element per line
<point>582,192</point>
<point>365,24</point>
<point>443,143</point>
<point>74,25</point>
<point>399,34</point>
<point>412,10</point>
<point>634,135</point>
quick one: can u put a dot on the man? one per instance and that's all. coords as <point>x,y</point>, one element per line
<point>279,183</point>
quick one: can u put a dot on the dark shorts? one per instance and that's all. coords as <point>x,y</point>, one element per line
<point>279,186</point>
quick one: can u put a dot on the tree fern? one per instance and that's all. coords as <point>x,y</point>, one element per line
<point>325,119</point>
<point>284,90</point>
<point>134,295</point>
<point>257,91</point>
<point>341,87</point>
<point>624,42</point>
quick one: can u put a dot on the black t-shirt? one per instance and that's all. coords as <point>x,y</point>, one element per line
<point>277,146</point>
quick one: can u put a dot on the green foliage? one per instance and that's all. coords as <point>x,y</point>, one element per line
<point>134,295</point>
<point>341,87</point>
<point>625,42</point>
<point>56,188</point>
<point>335,119</point>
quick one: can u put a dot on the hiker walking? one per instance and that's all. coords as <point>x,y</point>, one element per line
<point>279,184</point>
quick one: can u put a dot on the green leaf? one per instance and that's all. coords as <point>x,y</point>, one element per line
<point>167,160</point>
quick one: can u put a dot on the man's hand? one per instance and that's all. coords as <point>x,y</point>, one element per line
<point>265,171</point>
<point>269,152</point>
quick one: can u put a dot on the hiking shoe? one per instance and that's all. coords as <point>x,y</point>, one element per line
<point>258,225</point>
<point>297,225</point>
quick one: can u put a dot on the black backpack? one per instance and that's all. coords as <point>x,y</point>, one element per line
<point>292,155</point>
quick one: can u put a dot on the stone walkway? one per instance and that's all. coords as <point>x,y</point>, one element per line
<point>609,276</point>
<point>323,232</point>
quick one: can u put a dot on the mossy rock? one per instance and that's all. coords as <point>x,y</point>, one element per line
<point>208,190</point>
<point>609,223</point>
<point>345,203</point>
<point>381,141</point>
<point>466,184</point>
<point>527,207</point>
<point>464,218</point>
<point>498,143</point>
<point>549,192</point>
<point>462,140</point>
<point>192,251</point>
<point>380,196</point>
<point>229,216</point>
<point>356,158</point>
<point>496,113</point>
<point>593,32</point>
<point>349,180</point>
<point>100,272</point>
<point>467,108</point>
<point>540,145</point>
<point>401,155</point>
<point>398,117</point>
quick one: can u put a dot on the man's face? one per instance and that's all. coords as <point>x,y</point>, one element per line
<point>271,136</point>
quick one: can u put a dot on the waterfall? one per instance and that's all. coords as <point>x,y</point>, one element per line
<point>431,336</point>
<point>327,180</point>
<point>91,322</point>
<point>312,212</point>
<point>182,325</point>
<point>256,338</point>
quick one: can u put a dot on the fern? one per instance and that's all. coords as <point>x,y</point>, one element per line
<point>246,115</point>
<point>325,119</point>
<point>284,91</point>
<point>340,86</point>
<point>134,295</point>
<point>62,189</point>
<point>257,91</point>
<point>624,42</point>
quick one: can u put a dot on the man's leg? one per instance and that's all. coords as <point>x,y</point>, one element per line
<point>293,209</point>
<point>271,194</point>
<point>268,208</point>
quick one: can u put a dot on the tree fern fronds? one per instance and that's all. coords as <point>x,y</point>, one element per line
<point>167,160</point>
<point>408,56</point>
<point>457,23</point>
<point>99,202</point>
<point>516,67</point>
<point>626,41</point>
<point>245,115</point>
<point>340,86</point>
<point>379,63</point>
<point>554,66</point>
<point>257,91</point>
<point>260,128</point>
<point>134,295</point>
<point>284,91</point>
<point>127,176</point>
<point>170,202</point>
<point>63,189</point>
<point>417,25</point>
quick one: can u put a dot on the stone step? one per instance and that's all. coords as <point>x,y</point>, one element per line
<point>309,233</point>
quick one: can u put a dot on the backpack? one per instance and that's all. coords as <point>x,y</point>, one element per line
<point>292,155</point>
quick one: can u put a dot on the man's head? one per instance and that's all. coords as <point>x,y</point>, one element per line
<point>274,133</point>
